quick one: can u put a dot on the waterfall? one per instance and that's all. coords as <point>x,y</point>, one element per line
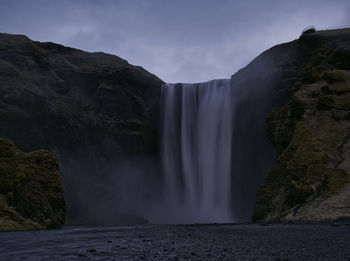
<point>196,151</point>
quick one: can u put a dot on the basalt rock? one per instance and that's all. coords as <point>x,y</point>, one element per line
<point>31,194</point>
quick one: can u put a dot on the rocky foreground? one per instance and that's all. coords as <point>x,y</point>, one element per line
<point>31,194</point>
<point>186,242</point>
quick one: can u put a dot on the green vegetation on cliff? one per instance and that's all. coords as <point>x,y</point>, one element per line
<point>31,194</point>
<point>311,132</point>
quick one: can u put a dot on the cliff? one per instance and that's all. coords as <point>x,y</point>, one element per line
<point>31,194</point>
<point>311,132</point>
<point>267,83</point>
<point>99,116</point>
<point>97,113</point>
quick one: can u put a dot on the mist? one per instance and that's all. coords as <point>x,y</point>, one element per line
<point>110,193</point>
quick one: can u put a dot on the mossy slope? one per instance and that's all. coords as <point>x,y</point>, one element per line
<point>31,194</point>
<point>311,180</point>
<point>279,76</point>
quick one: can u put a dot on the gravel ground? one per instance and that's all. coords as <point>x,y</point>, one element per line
<point>180,242</point>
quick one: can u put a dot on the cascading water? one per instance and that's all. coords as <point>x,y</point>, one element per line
<point>196,151</point>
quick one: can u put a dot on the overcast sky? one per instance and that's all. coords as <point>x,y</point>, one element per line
<point>178,40</point>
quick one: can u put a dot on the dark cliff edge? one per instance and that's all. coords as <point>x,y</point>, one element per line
<point>307,87</point>
<point>262,86</point>
<point>97,113</point>
<point>31,194</point>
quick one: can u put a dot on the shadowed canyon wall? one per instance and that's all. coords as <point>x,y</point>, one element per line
<point>95,112</point>
<point>100,116</point>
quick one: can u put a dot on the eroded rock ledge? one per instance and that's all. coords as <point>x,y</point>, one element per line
<point>31,194</point>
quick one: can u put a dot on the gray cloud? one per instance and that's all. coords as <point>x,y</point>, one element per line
<point>180,41</point>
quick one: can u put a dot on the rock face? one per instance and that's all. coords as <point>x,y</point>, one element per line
<point>267,83</point>
<point>311,132</point>
<point>31,194</point>
<point>97,113</point>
